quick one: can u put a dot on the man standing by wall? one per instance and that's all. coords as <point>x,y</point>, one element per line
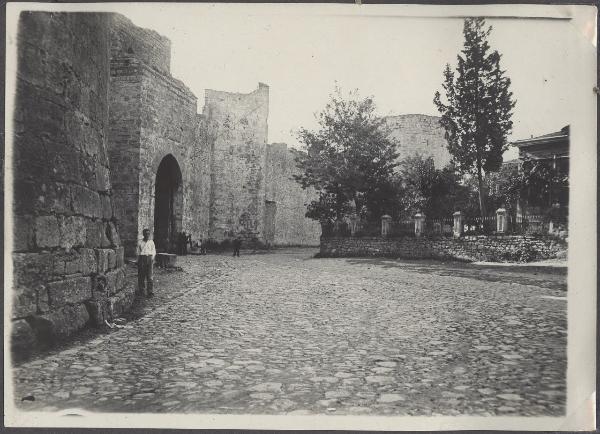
<point>145,253</point>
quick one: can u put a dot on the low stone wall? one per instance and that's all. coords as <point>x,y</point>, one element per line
<point>497,248</point>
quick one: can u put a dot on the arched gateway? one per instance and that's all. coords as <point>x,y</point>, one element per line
<point>168,204</point>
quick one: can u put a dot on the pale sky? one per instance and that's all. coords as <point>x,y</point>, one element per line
<point>398,60</point>
<point>395,53</point>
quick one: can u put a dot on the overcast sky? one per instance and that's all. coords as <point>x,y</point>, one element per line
<point>302,51</point>
<point>398,60</point>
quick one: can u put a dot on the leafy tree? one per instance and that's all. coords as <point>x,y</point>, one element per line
<point>505,187</point>
<point>477,109</point>
<point>349,160</point>
<point>432,191</point>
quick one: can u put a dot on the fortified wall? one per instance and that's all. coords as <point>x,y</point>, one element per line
<point>236,124</point>
<point>176,170</point>
<point>107,143</point>
<point>285,206</point>
<point>67,255</point>
<point>422,134</point>
<point>153,120</point>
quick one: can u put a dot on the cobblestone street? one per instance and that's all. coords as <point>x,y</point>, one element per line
<point>286,333</point>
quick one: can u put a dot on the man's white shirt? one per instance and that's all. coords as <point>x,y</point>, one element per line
<point>146,248</point>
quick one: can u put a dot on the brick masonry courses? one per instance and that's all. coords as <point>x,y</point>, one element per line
<point>65,235</point>
<point>469,248</point>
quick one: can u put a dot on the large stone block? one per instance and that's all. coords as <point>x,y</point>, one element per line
<point>121,302</point>
<point>102,178</point>
<point>29,300</point>
<point>111,279</point>
<point>93,233</point>
<point>72,231</point>
<point>102,260</point>
<point>113,235</point>
<point>120,280</point>
<point>112,259</point>
<point>100,286</point>
<point>47,232</point>
<point>23,233</point>
<point>120,256</point>
<point>59,323</point>
<point>86,202</point>
<point>88,261</point>
<point>68,262</point>
<point>31,268</point>
<point>22,337</point>
<point>69,291</point>
<point>98,311</point>
<point>107,212</point>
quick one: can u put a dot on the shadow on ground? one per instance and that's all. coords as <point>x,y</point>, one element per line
<point>542,276</point>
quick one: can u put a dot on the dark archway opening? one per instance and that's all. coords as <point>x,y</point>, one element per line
<point>168,204</point>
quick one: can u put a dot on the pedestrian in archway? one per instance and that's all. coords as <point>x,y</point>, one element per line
<point>237,244</point>
<point>146,251</point>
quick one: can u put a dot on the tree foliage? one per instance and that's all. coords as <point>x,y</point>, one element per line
<point>477,109</point>
<point>349,160</point>
<point>426,189</point>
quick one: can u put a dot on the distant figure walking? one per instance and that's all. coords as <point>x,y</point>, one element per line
<point>237,243</point>
<point>146,251</point>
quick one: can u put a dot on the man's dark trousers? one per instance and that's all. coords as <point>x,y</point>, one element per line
<point>145,266</point>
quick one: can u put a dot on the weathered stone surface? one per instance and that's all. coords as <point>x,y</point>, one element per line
<point>59,323</point>
<point>22,336</point>
<point>86,202</point>
<point>119,256</point>
<point>69,262</point>
<point>422,134</point>
<point>471,248</point>
<point>30,272</point>
<point>89,264</point>
<point>23,233</point>
<point>93,233</point>
<point>60,161</point>
<point>112,259</point>
<point>102,259</point>
<point>72,231</point>
<point>121,302</point>
<point>113,235</point>
<point>47,234</point>
<point>97,311</point>
<point>107,212</point>
<point>111,280</point>
<point>69,291</point>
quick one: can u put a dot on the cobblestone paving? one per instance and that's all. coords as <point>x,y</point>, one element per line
<point>286,333</point>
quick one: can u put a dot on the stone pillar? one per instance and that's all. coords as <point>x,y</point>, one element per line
<point>501,222</point>
<point>386,225</point>
<point>458,224</point>
<point>354,224</point>
<point>419,224</point>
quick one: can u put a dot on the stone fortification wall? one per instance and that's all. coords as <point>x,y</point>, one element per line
<point>289,225</point>
<point>237,133</point>
<point>170,126</point>
<point>470,248</point>
<point>152,116</point>
<point>124,143</point>
<point>148,46</point>
<point>67,257</point>
<point>422,134</point>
